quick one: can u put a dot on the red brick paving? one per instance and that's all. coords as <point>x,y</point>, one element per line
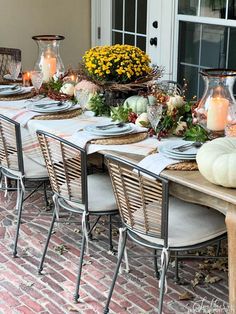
<point>22,290</point>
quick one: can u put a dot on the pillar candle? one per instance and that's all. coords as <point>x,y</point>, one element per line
<point>49,67</point>
<point>217,113</point>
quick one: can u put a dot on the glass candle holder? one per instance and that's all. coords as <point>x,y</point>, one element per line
<point>217,107</point>
<point>49,60</point>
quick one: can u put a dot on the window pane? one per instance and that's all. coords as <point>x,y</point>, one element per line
<point>232,49</point>
<point>142,16</point>
<point>116,38</point>
<point>213,8</point>
<point>141,43</point>
<point>213,52</point>
<point>188,7</point>
<point>129,39</point>
<point>232,10</point>
<point>189,40</point>
<point>190,74</point>
<point>130,15</point>
<point>117,14</point>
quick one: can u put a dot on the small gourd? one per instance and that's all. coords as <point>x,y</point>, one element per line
<point>138,104</point>
<point>216,161</point>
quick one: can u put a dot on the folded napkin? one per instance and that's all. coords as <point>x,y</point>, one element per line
<point>157,162</point>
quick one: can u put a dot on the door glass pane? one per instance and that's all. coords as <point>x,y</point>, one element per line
<point>141,42</point>
<point>116,38</point>
<point>188,7</point>
<point>232,49</point>
<point>117,14</point>
<point>214,43</point>
<point>129,39</point>
<point>142,16</point>
<point>130,15</point>
<point>189,42</point>
<point>232,10</point>
<point>191,75</point>
<point>213,8</point>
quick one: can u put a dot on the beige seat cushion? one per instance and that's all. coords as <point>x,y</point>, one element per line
<point>191,224</point>
<point>100,194</point>
<point>33,170</point>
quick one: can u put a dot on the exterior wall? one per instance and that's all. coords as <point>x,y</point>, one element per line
<point>21,19</point>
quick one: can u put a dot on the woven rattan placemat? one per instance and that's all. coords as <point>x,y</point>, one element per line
<point>184,166</point>
<point>124,139</point>
<point>58,116</point>
<point>18,96</point>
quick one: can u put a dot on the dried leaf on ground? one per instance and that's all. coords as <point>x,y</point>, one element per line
<point>212,279</point>
<point>186,296</point>
<point>61,249</point>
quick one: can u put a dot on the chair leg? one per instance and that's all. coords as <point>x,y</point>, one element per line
<point>121,253</point>
<point>19,209</point>
<point>45,194</point>
<point>218,248</point>
<point>76,296</point>
<point>47,242</point>
<point>162,287</point>
<point>177,279</point>
<point>157,274</point>
<point>110,233</point>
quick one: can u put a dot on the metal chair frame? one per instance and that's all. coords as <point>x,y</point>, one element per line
<point>8,147</point>
<point>73,164</point>
<point>6,55</point>
<point>121,172</point>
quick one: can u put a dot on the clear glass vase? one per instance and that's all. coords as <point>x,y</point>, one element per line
<point>217,107</point>
<point>49,60</point>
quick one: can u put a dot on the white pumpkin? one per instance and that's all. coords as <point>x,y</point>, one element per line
<point>144,119</point>
<point>216,161</point>
<point>67,89</point>
<point>138,104</point>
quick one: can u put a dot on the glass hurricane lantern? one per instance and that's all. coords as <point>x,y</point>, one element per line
<point>49,60</point>
<point>217,107</point>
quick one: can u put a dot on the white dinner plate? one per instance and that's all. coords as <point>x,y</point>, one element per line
<point>167,149</point>
<point>6,90</point>
<point>127,128</point>
<point>49,107</point>
<point>8,77</point>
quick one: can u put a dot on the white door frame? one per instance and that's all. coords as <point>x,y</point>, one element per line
<point>165,51</point>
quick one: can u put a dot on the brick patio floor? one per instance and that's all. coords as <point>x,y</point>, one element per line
<point>22,290</point>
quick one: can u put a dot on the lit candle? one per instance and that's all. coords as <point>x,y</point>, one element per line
<point>26,79</point>
<point>217,113</point>
<point>49,66</point>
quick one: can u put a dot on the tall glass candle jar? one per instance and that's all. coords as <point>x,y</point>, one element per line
<point>217,107</point>
<point>49,60</point>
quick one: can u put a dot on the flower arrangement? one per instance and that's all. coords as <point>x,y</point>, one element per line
<point>117,63</point>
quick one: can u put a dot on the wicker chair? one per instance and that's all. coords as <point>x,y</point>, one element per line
<point>153,219</point>
<point>74,190</point>
<point>16,166</point>
<point>6,55</point>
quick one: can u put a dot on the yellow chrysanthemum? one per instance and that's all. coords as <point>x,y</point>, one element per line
<point>120,63</point>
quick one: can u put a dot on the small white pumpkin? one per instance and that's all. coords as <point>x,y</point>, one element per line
<point>67,89</point>
<point>138,104</point>
<point>144,119</point>
<point>216,161</point>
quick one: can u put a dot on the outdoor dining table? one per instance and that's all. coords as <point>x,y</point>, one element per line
<point>187,185</point>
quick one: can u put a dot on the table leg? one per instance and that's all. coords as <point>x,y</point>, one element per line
<point>231,229</point>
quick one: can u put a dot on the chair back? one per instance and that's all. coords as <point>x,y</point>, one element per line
<point>142,198</point>
<point>11,156</point>
<point>67,167</point>
<point>6,55</point>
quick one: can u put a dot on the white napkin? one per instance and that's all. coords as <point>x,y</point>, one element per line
<point>157,162</point>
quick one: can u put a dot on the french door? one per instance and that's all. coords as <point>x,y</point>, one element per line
<point>183,36</point>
